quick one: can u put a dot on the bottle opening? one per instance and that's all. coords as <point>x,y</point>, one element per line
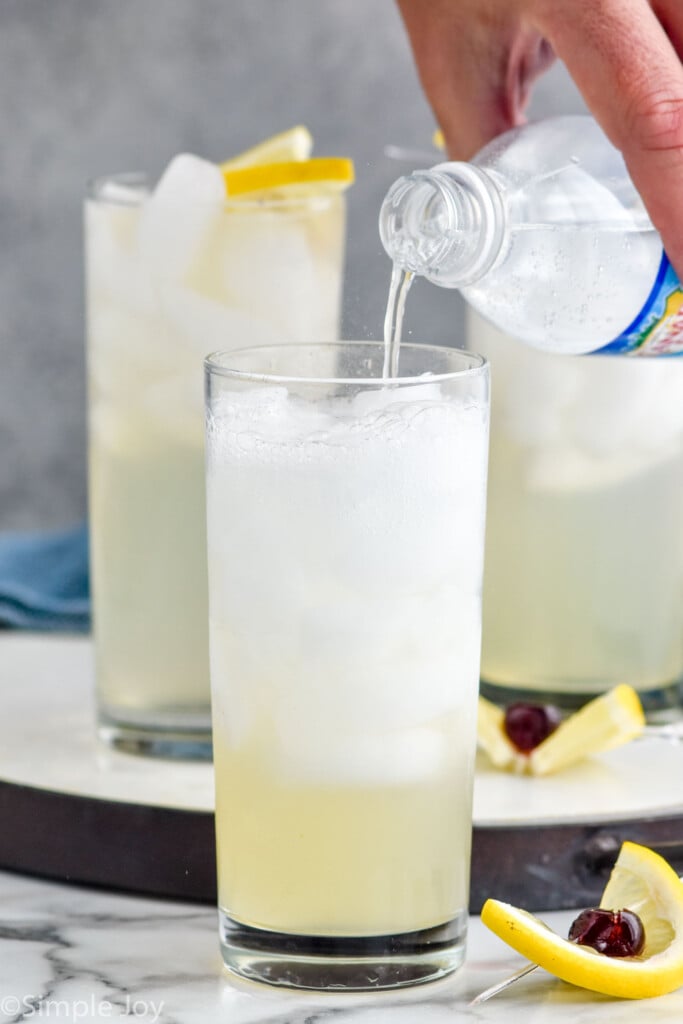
<point>445,224</point>
<point>417,222</point>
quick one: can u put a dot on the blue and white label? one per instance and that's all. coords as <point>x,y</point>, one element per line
<point>658,328</point>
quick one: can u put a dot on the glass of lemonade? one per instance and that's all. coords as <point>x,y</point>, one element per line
<point>170,278</point>
<point>345,544</point>
<point>583,586</point>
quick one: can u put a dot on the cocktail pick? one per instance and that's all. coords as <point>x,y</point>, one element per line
<point>502,985</point>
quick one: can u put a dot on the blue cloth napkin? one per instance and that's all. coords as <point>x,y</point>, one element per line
<point>44,580</point>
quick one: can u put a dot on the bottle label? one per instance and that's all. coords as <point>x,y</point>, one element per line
<point>658,328</point>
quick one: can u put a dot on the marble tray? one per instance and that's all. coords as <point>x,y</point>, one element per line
<point>72,809</point>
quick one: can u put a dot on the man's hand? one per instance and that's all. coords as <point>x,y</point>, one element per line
<point>478,60</point>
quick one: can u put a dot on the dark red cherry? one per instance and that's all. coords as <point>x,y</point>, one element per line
<point>612,932</point>
<point>527,725</point>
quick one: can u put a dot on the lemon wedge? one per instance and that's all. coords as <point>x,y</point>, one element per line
<point>608,721</point>
<point>438,139</point>
<point>294,144</point>
<point>314,175</point>
<point>492,739</point>
<point>641,881</point>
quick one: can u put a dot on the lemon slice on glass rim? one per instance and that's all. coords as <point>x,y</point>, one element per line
<point>294,144</point>
<point>438,140</point>
<point>608,721</point>
<point>641,881</point>
<point>314,175</point>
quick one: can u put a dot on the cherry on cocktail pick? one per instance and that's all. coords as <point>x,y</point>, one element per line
<point>612,932</point>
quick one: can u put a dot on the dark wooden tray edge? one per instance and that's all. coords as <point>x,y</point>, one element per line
<point>170,852</point>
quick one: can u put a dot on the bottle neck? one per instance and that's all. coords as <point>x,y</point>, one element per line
<point>446,224</point>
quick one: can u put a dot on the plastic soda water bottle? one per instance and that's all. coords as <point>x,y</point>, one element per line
<point>545,235</point>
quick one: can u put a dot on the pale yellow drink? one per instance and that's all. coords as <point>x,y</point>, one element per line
<point>583,583</point>
<point>172,275</point>
<point>397,850</point>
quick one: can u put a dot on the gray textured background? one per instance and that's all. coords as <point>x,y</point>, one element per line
<point>93,86</point>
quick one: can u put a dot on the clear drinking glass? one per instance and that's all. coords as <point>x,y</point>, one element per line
<point>345,543</point>
<point>583,585</point>
<point>164,287</point>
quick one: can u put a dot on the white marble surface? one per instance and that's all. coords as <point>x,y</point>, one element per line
<point>72,954</point>
<point>54,676</point>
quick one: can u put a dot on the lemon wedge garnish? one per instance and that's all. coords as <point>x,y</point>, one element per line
<point>314,175</point>
<point>608,721</point>
<point>641,881</point>
<point>294,144</point>
<point>284,162</point>
<point>492,739</point>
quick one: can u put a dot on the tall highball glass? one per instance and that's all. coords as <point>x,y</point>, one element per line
<point>345,545</point>
<point>167,282</point>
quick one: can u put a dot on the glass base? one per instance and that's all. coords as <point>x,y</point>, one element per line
<point>661,706</point>
<point>342,963</point>
<point>186,738</point>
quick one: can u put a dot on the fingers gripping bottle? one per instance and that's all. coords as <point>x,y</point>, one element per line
<point>545,235</point>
